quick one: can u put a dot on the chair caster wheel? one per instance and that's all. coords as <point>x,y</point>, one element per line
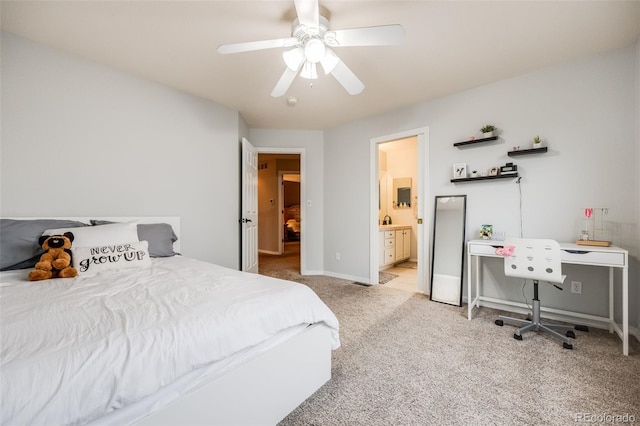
<point>566,345</point>
<point>499,322</point>
<point>581,328</point>
<point>570,334</point>
<point>517,336</point>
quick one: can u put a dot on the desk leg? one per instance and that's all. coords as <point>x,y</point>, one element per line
<point>611,317</point>
<point>478,262</point>
<point>469,307</point>
<point>472,282</point>
<point>625,308</point>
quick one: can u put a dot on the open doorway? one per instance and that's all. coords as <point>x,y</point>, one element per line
<point>280,214</point>
<point>291,210</point>
<point>398,213</point>
<point>399,189</point>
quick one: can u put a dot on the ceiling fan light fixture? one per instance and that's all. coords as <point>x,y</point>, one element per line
<point>309,71</point>
<point>293,58</point>
<point>314,50</point>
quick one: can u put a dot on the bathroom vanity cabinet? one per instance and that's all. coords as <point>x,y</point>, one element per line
<point>394,244</point>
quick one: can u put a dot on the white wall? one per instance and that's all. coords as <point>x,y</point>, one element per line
<point>81,139</point>
<point>587,113</point>
<point>312,162</point>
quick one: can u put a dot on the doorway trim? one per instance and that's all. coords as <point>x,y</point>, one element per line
<point>303,196</point>
<point>422,133</point>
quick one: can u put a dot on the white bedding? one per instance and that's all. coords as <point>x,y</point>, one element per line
<point>76,349</point>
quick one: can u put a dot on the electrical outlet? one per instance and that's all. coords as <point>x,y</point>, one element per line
<point>576,287</point>
<point>337,255</point>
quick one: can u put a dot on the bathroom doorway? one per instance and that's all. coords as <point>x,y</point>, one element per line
<point>398,180</point>
<point>399,221</point>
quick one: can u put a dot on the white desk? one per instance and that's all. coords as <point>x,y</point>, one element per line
<point>609,257</point>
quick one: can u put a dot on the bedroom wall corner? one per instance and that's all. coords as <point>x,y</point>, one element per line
<point>120,145</point>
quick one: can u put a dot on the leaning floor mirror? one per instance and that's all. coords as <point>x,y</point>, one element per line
<point>447,252</point>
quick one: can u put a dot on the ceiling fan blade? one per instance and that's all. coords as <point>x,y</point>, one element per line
<point>347,78</point>
<point>285,81</point>
<point>308,14</point>
<point>257,45</point>
<point>382,35</point>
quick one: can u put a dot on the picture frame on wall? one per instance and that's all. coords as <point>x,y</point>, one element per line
<point>459,170</point>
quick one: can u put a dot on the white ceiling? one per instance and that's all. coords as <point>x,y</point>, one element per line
<point>450,46</point>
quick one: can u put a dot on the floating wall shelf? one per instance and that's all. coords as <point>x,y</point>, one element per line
<point>527,151</point>
<point>479,178</point>
<point>469,142</point>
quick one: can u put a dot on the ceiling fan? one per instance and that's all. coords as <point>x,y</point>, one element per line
<point>312,43</point>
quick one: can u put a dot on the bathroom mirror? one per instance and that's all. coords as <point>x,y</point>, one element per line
<point>401,192</point>
<point>447,252</point>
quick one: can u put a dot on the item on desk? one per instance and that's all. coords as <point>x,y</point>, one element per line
<point>594,232</point>
<point>596,243</point>
<point>498,235</point>
<point>505,251</point>
<point>486,231</point>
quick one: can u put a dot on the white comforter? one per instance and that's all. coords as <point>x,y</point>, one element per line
<point>76,349</point>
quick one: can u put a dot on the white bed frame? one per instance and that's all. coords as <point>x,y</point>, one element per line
<point>260,392</point>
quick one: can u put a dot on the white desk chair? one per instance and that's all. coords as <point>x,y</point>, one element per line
<point>536,259</point>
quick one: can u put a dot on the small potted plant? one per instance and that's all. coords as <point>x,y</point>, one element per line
<point>537,142</point>
<point>487,131</point>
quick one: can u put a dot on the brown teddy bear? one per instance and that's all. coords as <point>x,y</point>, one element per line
<point>55,262</point>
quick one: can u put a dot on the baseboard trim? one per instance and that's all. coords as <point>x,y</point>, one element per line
<point>359,280</point>
<point>269,252</point>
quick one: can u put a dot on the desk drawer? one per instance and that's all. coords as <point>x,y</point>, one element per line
<point>593,257</point>
<point>484,250</point>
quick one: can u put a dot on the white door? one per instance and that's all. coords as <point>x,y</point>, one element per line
<point>249,210</point>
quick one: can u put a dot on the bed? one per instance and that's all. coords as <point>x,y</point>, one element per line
<point>171,341</point>
<point>292,223</point>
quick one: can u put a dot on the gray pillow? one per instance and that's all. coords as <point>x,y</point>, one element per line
<point>19,248</point>
<point>159,235</point>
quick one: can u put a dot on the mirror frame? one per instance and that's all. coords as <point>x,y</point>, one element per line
<point>433,245</point>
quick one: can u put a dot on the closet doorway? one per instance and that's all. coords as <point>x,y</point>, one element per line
<point>399,189</point>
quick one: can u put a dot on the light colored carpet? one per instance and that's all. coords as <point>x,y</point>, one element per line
<point>406,360</point>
